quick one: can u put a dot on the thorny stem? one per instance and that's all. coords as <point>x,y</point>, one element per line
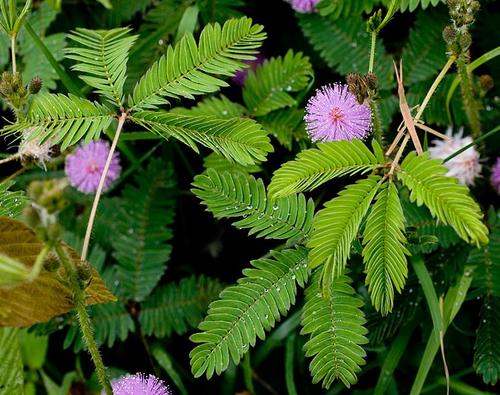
<point>421,109</point>
<point>35,270</point>
<point>84,320</point>
<point>13,52</point>
<point>97,197</point>
<point>376,123</point>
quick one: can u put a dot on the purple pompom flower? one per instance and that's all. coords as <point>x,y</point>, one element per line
<point>465,167</point>
<point>495,176</point>
<point>139,384</point>
<point>304,6</point>
<point>85,165</point>
<point>240,76</point>
<point>335,114</point>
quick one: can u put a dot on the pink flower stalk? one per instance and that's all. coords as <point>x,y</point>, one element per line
<point>240,76</point>
<point>304,6</point>
<point>465,167</point>
<point>495,175</point>
<point>139,384</point>
<point>85,165</point>
<point>335,114</point>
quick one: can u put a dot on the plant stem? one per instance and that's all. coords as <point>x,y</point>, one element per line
<point>97,197</point>
<point>9,159</point>
<point>84,319</point>
<point>13,52</point>
<point>434,86</point>
<point>376,122</point>
<point>469,102</point>
<point>35,270</point>
<point>372,51</point>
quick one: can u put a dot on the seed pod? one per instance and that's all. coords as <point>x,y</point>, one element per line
<point>486,82</point>
<point>449,34</point>
<point>51,263</point>
<point>35,85</point>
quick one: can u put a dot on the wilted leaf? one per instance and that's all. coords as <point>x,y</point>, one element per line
<point>48,295</point>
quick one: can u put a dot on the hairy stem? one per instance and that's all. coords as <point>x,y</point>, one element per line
<point>469,101</point>
<point>97,197</point>
<point>372,51</point>
<point>376,122</point>
<point>13,52</point>
<point>84,319</point>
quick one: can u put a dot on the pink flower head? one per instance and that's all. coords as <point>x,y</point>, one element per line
<point>139,384</point>
<point>465,167</point>
<point>335,114</point>
<point>495,175</point>
<point>304,6</point>
<point>85,165</point>
<point>240,76</point>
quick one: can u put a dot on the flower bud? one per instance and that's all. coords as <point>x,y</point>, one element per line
<point>84,273</point>
<point>486,82</point>
<point>371,81</point>
<point>31,216</point>
<point>449,34</point>
<point>35,85</point>
<point>51,262</point>
<point>465,41</point>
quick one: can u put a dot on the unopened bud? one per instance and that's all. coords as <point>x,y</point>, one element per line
<point>35,85</point>
<point>84,273</point>
<point>449,34</point>
<point>371,81</point>
<point>465,41</point>
<point>53,231</point>
<point>486,82</point>
<point>51,262</point>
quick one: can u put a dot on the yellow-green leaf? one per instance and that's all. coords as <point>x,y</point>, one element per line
<point>48,295</point>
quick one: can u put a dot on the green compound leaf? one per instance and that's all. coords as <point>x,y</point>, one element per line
<point>335,324</point>
<point>11,203</point>
<point>240,140</point>
<point>248,310</point>
<point>143,230</point>
<point>315,166</point>
<point>344,44</point>
<point>446,199</point>
<point>487,346</point>
<point>178,307</point>
<point>102,60</point>
<point>269,88</point>
<point>229,195</point>
<point>188,69</point>
<point>11,366</point>
<point>336,226</point>
<point>63,119</point>
<point>384,250</point>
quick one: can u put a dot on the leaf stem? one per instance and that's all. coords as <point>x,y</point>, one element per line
<point>84,319</point>
<point>97,197</point>
<point>9,159</point>
<point>13,52</point>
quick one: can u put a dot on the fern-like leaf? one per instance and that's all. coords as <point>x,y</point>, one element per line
<point>102,60</point>
<point>229,195</point>
<point>63,119</point>
<point>286,125</point>
<point>420,221</point>
<point>340,9</point>
<point>384,251</point>
<point>446,199</point>
<point>11,367</point>
<point>316,166</point>
<point>143,230</point>
<point>487,263</point>
<point>189,69</point>
<point>487,347</point>
<point>240,140</point>
<point>425,53</point>
<point>349,54</point>
<point>178,307</point>
<point>335,325</point>
<point>11,203</point>
<point>221,164</point>
<point>412,5</point>
<point>269,88</point>
<point>246,311</point>
<point>336,226</point>
<point>220,107</point>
